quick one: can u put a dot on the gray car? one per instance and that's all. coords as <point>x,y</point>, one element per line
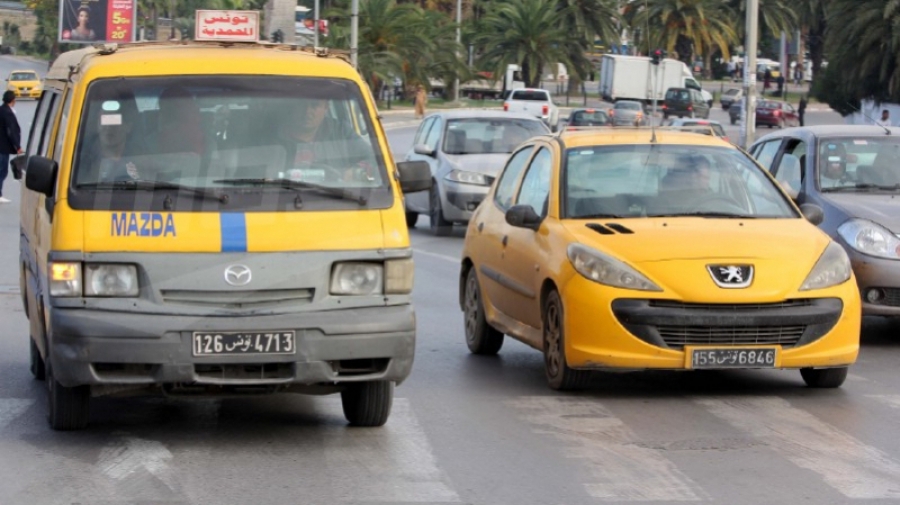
<point>628,113</point>
<point>466,150</point>
<point>853,174</point>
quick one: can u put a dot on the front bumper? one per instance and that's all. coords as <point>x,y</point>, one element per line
<point>881,275</point>
<point>101,347</point>
<point>601,335</point>
<point>461,200</point>
<point>32,93</point>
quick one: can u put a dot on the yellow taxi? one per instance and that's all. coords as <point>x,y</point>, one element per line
<point>654,250</point>
<point>25,84</point>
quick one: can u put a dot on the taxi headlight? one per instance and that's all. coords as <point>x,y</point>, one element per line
<point>398,276</point>
<point>65,279</point>
<point>356,278</point>
<point>833,268</point>
<point>109,280</point>
<point>465,177</point>
<point>870,238</point>
<point>604,269</point>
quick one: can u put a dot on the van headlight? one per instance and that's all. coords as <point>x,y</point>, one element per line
<point>870,238</point>
<point>110,280</point>
<point>604,269</point>
<point>465,177</point>
<point>833,268</point>
<point>357,278</point>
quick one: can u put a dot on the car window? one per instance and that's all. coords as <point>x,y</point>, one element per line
<point>434,135</point>
<point>767,153</point>
<point>422,133</point>
<point>588,117</point>
<point>489,135</point>
<point>628,105</point>
<point>535,188</point>
<point>846,163</point>
<point>506,186</point>
<point>23,76</point>
<point>37,126</point>
<point>533,95</point>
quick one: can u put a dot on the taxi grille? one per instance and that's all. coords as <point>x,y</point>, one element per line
<point>891,297</point>
<point>680,336</point>
<point>238,299</point>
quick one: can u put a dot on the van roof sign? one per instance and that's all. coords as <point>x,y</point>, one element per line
<point>235,26</point>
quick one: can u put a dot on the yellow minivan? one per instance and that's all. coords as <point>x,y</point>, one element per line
<point>213,218</point>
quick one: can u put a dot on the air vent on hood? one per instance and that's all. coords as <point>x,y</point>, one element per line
<point>609,229</point>
<point>619,228</point>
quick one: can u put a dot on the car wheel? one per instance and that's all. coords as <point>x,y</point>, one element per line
<point>824,377</point>
<point>367,403</point>
<point>38,369</point>
<point>411,219</point>
<point>733,120</point>
<point>439,226</point>
<point>481,337</point>
<point>559,375</point>
<point>68,408</point>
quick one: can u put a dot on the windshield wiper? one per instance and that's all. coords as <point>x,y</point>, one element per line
<point>862,185</point>
<point>342,193</point>
<point>138,184</point>
<point>722,215</point>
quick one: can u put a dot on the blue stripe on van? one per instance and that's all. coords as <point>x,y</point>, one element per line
<point>234,232</point>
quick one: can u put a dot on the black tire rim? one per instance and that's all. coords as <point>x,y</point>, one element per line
<point>472,307</point>
<point>552,339</point>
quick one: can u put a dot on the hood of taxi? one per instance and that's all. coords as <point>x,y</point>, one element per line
<point>106,231</point>
<point>488,164</point>
<point>678,253</point>
<point>883,209</point>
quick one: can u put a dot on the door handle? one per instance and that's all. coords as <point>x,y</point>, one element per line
<point>505,240</point>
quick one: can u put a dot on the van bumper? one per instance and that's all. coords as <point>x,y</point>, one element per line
<point>90,347</point>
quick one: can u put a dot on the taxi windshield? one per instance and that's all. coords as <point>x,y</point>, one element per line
<point>274,143</point>
<point>859,163</point>
<point>23,76</point>
<point>668,180</point>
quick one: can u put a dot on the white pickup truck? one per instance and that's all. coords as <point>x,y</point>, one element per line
<point>535,102</point>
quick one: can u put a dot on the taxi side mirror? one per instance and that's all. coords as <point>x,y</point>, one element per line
<point>414,176</point>
<point>40,175</point>
<point>523,216</point>
<point>813,213</point>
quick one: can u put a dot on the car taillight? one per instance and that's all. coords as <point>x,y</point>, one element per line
<point>545,109</point>
<point>664,107</point>
<point>777,112</point>
<point>690,107</point>
<point>505,106</point>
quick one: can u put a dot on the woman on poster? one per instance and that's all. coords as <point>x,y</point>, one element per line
<point>82,32</point>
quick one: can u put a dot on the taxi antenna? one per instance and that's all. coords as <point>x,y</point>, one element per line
<point>887,131</point>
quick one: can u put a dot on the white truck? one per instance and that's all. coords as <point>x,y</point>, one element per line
<point>534,102</point>
<point>632,78</point>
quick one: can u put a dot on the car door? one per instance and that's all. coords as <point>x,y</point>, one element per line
<point>791,116</point>
<point>428,134</point>
<point>701,107</point>
<point>525,251</point>
<point>787,166</point>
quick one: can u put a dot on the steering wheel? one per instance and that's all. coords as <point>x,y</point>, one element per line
<point>709,201</point>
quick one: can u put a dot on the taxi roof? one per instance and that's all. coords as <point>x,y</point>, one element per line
<point>191,57</point>
<point>642,135</point>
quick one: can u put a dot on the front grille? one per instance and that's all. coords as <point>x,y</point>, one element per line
<point>737,307</point>
<point>677,337</point>
<point>891,297</point>
<point>238,299</point>
<point>244,372</point>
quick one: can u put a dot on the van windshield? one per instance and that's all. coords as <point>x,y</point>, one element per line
<point>239,142</point>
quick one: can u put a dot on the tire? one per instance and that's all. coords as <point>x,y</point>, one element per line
<point>439,226</point>
<point>367,404</point>
<point>733,120</point>
<point>38,368</point>
<point>411,219</point>
<point>559,376</point>
<point>68,408</point>
<point>824,377</point>
<point>481,337</point>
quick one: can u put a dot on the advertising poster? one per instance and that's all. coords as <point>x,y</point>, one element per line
<point>96,21</point>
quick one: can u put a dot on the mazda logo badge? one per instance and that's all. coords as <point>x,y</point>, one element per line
<point>238,275</point>
<point>731,276</point>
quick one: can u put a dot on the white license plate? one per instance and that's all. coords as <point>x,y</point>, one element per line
<point>733,358</point>
<point>237,343</point>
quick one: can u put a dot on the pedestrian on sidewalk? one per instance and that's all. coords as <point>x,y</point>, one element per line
<point>10,137</point>
<point>421,101</point>
<point>885,118</point>
<point>801,109</point>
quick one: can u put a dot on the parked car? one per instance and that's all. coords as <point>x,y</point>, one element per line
<point>684,102</point>
<point>774,113</point>
<point>587,117</point>
<point>705,126</point>
<point>853,173</point>
<point>465,150</point>
<point>677,249</point>
<point>730,96</point>
<point>534,102</point>
<point>628,113</point>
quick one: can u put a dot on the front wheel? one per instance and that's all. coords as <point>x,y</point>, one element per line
<point>481,337</point>
<point>68,408</point>
<point>559,375</point>
<point>824,377</point>
<point>367,404</point>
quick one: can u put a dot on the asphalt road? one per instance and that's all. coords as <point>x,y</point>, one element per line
<point>465,429</point>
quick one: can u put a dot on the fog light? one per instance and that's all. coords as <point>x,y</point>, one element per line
<point>874,295</point>
<point>472,205</point>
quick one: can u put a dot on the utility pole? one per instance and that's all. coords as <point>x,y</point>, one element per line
<point>748,112</point>
<point>354,33</point>
<point>458,43</point>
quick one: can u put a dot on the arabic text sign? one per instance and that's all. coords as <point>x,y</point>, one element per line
<point>239,26</point>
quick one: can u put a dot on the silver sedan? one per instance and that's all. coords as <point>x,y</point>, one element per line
<point>466,150</point>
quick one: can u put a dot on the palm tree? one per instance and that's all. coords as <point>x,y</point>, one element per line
<point>529,33</point>
<point>776,15</point>
<point>585,21</point>
<point>812,18</point>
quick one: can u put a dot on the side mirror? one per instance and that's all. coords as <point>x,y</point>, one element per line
<point>813,213</point>
<point>523,216</point>
<point>414,176</point>
<point>40,175</point>
<point>423,149</point>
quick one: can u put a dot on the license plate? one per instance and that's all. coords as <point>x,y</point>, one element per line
<point>231,343</point>
<point>733,358</point>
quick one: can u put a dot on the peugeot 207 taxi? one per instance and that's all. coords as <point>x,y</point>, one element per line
<point>24,83</point>
<point>666,250</point>
<point>195,227</point>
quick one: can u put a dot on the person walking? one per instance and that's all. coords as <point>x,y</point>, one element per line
<point>885,118</point>
<point>421,101</point>
<point>10,137</point>
<point>801,109</point>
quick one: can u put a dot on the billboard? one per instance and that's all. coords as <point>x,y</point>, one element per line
<point>96,21</point>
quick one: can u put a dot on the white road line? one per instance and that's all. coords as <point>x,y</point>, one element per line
<point>620,469</point>
<point>892,401</point>
<point>130,459</point>
<point>436,255</point>
<point>392,464</point>
<point>11,408</point>
<point>851,467</point>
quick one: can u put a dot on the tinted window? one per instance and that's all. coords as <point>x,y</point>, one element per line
<point>530,95</point>
<point>628,105</point>
<point>536,184</point>
<point>23,76</point>
<point>678,94</point>
<point>846,162</point>
<point>732,92</point>
<point>588,118</point>
<point>506,187</point>
<point>766,154</point>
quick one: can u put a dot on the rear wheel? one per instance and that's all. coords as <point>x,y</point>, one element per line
<point>559,375</point>
<point>69,408</point>
<point>481,337</point>
<point>38,369</point>
<point>411,219</point>
<point>824,377</point>
<point>368,403</point>
<point>439,226</point>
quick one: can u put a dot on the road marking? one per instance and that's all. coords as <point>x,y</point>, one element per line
<point>436,255</point>
<point>11,408</point>
<point>391,464</point>
<point>851,467</point>
<point>129,459</point>
<point>621,469</point>
<point>892,401</point>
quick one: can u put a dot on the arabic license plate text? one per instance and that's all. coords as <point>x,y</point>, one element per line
<point>733,358</point>
<point>231,343</point>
